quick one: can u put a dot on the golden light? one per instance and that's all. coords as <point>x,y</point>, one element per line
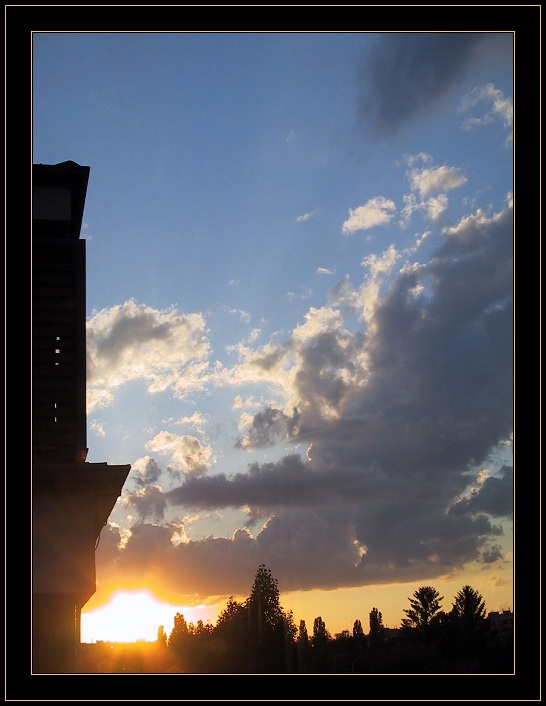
<point>131,616</point>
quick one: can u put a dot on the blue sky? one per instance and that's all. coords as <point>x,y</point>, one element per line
<point>299,308</point>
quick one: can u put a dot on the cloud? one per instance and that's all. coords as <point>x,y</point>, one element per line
<point>323,271</point>
<point>495,497</point>
<point>375,212</point>
<point>362,302</point>
<point>196,421</point>
<point>392,446</point>
<point>240,313</point>
<point>410,74</point>
<point>145,471</point>
<point>149,503</point>
<point>500,107</point>
<point>427,181</point>
<point>166,349</point>
<point>398,415</point>
<point>267,427</point>
<point>187,454</point>
<point>97,427</point>
<point>304,217</point>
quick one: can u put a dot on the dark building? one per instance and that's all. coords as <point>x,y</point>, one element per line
<point>502,624</point>
<point>71,498</point>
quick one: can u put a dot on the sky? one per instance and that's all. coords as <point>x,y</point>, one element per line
<point>299,314</point>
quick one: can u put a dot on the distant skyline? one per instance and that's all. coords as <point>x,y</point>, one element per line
<point>299,310</point>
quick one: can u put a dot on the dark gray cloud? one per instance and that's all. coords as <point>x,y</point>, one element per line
<point>409,74</point>
<point>495,497</point>
<point>126,333</point>
<point>146,472</point>
<point>326,368</point>
<point>290,482</point>
<point>149,503</point>
<point>267,428</point>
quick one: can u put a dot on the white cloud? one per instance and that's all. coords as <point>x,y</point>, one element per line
<point>376,212</point>
<point>196,421</point>
<point>411,159</point>
<point>97,427</point>
<point>435,206</point>
<point>166,349</point>
<point>499,106</point>
<point>187,454</point>
<point>304,217</point>
<point>427,181</point>
<point>243,315</point>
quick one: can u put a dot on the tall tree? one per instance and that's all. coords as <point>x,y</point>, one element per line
<point>302,647</point>
<point>468,618</point>
<point>264,599</point>
<point>376,628</point>
<point>271,631</point>
<point>469,608</point>
<point>231,612</point>
<point>359,644</point>
<point>178,639</point>
<point>230,638</point>
<point>358,632</point>
<point>425,604</point>
<point>319,642</point>
<point>320,633</point>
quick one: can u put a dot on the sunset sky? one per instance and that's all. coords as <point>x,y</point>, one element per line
<point>299,313</point>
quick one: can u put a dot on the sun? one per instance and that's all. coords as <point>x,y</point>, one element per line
<point>130,616</point>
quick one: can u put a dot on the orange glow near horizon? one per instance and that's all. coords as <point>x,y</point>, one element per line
<point>134,613</point>
<point>130,616</point>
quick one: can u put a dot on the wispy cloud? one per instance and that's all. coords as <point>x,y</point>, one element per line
<point>497,106</point>
<point>305,217</point>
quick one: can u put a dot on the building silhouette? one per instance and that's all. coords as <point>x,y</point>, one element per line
<point>71,498</point>
<point>502,624</point>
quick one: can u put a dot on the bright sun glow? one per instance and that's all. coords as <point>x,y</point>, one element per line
<point>132,616</point>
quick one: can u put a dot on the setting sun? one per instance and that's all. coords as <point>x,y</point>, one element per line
<point>132,616</point>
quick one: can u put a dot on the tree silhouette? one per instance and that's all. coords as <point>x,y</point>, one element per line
<point>468,619</point>
<point>303,647</point>
<point>425,604</point>
<point>319,643</point>
<point>178,639</point>
<point>359,643</point>
<point>230,638</point>
<point>358,632</point>
<point>259,636</point>
<point>375,636</point>
<point>161,636</point>
<point>469,609</point>
<point>271,630</point>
